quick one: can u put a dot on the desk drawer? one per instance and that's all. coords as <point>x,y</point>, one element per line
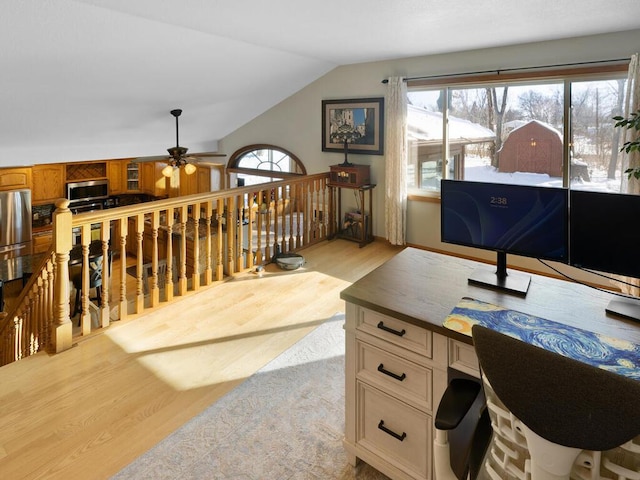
<point>394,431</point>
<point>396,331</point>
<point>463,357</point>
<point>395,375</point>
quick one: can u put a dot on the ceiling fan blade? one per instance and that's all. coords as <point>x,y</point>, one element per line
<point>150,159</point>
<point>207,154</point>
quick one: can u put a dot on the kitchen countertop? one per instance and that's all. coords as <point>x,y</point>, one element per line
<point>14,268</point>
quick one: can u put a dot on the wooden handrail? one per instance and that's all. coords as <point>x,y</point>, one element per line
<point>165,249</point>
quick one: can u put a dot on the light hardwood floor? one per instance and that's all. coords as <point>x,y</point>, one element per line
<point>88,412</point>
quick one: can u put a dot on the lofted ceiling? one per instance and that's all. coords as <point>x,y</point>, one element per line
<point>89,79</point>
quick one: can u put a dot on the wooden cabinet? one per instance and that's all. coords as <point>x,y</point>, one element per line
<point>48,182</point>
<point>351,176</point>
<point>395,373</point>
<point>207,178</point>
<point>152,180</point>
<point>41,242</point>
<point>132,177</point>
<point>210,177</point>
<point>188,183</point>
<point>116,171</point>
<point>15,178</point>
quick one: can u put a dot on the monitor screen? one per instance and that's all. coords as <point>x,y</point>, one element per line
<point>525,220</point>
<point>603,235</point>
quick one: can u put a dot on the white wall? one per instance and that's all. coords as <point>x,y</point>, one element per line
<point>295,123</point>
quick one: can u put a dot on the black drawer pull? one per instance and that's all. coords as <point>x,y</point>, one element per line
<point>391,432</point>
<point>400,333</point>
<point>381,369</point>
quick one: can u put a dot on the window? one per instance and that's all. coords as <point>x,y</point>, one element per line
<point>256,164</point>
<point>515,131</point>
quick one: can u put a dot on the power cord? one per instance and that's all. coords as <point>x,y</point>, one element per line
<point>593,272</point>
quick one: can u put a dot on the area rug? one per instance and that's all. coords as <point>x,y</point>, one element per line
<point>286,422</point>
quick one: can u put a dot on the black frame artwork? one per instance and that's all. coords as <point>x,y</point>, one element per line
<point>359,122</point>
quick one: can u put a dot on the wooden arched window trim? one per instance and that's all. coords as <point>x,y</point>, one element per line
<point>232,165</point>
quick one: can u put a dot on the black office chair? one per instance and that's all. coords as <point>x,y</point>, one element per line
<point>562,407</point>
<point>463,431</point>
<point>95,281</point>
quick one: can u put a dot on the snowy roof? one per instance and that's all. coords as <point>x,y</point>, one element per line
<point>426,127</point>
<point>545,125</point>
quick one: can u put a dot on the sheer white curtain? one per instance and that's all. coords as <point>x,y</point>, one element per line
<point>631,104</point>
<point>631,286</point>
<point>396,161</point>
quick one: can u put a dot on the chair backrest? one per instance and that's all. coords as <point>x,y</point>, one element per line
<point>562,400</point>
<point>95,272</point>
<point>147,272</point>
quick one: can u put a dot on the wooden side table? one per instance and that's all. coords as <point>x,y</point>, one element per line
<point>360,227</point>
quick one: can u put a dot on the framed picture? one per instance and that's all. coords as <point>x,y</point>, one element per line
<point>359,122</point>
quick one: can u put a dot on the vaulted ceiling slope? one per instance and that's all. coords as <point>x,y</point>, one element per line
<point>88,79</point>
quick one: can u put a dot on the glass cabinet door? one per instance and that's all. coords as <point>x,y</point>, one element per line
<point>133,176</point>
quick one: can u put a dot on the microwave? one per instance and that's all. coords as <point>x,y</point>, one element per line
<point>88,190</point>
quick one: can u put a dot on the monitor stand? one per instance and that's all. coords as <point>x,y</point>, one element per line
<point>512,282</point>
<point>625,307</point>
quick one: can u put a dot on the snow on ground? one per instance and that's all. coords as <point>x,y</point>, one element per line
<point>479,169</point>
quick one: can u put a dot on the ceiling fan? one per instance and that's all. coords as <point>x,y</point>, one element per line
<point>178,155</point>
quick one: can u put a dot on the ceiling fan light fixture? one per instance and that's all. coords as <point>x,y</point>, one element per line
<point>189,168</point>
<point>168,170</point>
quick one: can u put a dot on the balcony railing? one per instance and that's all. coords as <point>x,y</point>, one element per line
<point>113,264</point>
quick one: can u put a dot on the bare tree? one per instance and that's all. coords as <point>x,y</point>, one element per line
<point>498,112</point>
<point>615,141</point>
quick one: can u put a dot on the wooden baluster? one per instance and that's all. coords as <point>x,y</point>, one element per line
<point>259,253</point>
<point>301,219</point>
<point>122,303</point>
<point>323,219</point>
<point>195,277</point>
<point>267,226</point>
<point>139,224</point>
<point>168,289</point>
<point>105,236</point>
<point>154,287</point>
<point>39,320</point>
<point>208,212</point>
<point>182,280</point>
<point>250,224</point>
<point>85,315</point>
<point>50,295</point>
<point>19,330</point>
<point>231,228</point>
<point>318,231</point>
<point>291,208</point>
<point>308,214</point>
<point>238,224</point>
<point>219,243</point>
<point>277,206</point>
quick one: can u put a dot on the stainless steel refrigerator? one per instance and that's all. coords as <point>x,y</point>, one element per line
<point>15,223</point>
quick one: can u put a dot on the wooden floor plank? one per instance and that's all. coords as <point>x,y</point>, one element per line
<point>89,411</point>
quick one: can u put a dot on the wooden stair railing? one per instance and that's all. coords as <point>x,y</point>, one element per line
<point>198,239</point>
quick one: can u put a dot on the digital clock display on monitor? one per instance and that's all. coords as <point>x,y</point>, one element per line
<point>502,201</point>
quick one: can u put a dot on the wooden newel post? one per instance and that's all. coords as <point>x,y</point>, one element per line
<point>62,334</point>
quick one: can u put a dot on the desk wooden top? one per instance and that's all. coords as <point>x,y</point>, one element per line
<point>423,287</point>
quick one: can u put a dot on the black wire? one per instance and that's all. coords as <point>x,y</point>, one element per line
<point>575,280</point>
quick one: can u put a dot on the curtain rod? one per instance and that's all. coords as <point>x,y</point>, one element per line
<point>499,71</point>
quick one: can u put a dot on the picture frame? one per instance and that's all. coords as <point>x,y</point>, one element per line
<point>359,121</point>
